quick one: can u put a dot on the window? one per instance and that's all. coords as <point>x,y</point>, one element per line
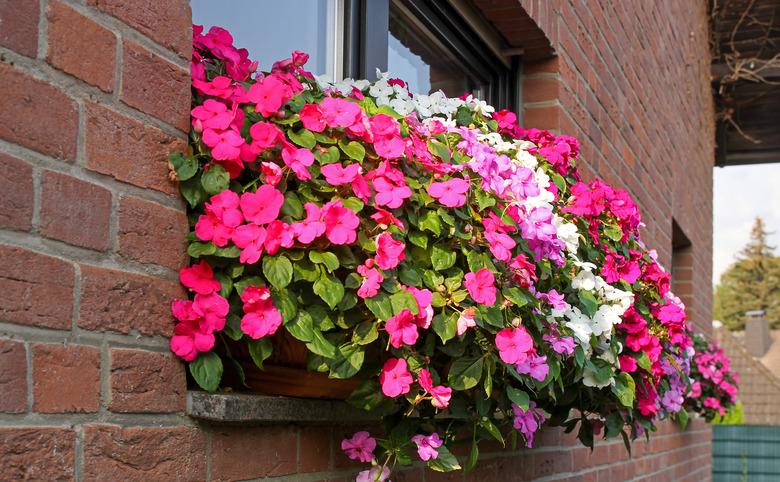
<point>431,45</point>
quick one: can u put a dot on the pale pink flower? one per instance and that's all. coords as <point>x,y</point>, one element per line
<point>466,320</point>
<point>427,445</point>
<point>360,447</point>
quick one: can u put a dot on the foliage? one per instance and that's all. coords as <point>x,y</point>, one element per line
<point>714,390</point>
<point>735,416</point>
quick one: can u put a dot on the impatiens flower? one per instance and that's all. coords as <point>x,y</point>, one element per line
<point>360,447</point>
<point>388,142</point>
<point>263,205</point>
<point>199,278</point>
<point>261,318</point>
<point>269,94</point>
<point>340,112</point>
<point>481,286</point>
<point>278,234</point>
<point>336,175</point>
<point>310,228</point>
<point>189,339</point>
<point>340,223</point>
<point>534,366</point>
<point>371,279</point>
<point>466,320</point>
<point>500,244</point>
<point>514,344</point>
<point>390,186</point>
<point>440,395</point>
<point>225,144</point>
<point>560,345</point>
<point>427,445</point>
<point>402,329</point>
<point>299,161</point>
<point>528,421</point>
<point>377,473</point>
<point>264,136</point>
<point>272,173</point>
<point>250,238</point>
<point>312,118</point>
<point>423,297</point>
<point>212,115</point>
<point>451,193</point>
<point>385,219</point>
<point>389,252</point>
<point>213,309</point>
<point>395,377</point>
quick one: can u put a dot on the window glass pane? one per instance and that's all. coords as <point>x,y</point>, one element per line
<point>271,30</point>
<point>416,57</point>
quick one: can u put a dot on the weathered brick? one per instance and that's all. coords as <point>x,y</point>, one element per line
<point>155,86</point>
<point>119,301</point>
<point>44,118</point>
<point>151,233</point>
<point>66,378</point>
<point>20,26</point>
<point>315,443</point>
<point>16,193</point>
<point>542,117</point>
<point>143,381</point>
<point>81,47</point>
<point>143,453</point>
<point>233,452</point>
<point>75,211</point>
<point>35,289</point>
<point>13,377</point>
<point>128,150</point>
<point>37,453</point>
<point>540,89</point>
<point>167,23</point>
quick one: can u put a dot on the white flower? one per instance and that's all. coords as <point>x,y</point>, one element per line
<point>582,264</point>
<point>402,106</point>
<point>604,319</point>
<point>579,324</point>
<point>585,280</point>
<point>525,158</point>
<point>567,232</point>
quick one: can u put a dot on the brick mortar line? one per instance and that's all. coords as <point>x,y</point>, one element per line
<point>541,75</point>
<point>84,337</point>
<point>124,420</point>
<point>29,375</point>
<point>35,222</point>
<point>104,378</point>
<point>76,88</point>
<point>542,103</point>
<point>670,467</point>
<point>78,463</point>
<point>43,29</point>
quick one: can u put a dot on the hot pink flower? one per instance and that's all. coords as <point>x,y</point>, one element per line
<point>360,447</point>
<point>213,309</point>
<point>263,205</point>
<point>501,245</point>
<point>423,297</point>
<point>310,228</point>
<point>336,175</point>
<point>261,317</point>
<point>388,142</point>
<point>402,329</point>
<point>278,234</point>
<point>189,339</point>
<point>250,238</point>
<point>361,189</point>
<point>451,193</point>
<point>427,445</point>
<point>481,287</point>
<point>272,173</point>
<point>395,377</point>
<point>390,186</point>
<point>220,86</point>
<point>440,394</point>
<point>385,218</point>
<point>340,223</point>
<point>371,279</point>
<point>264,136</point>
<point>199,278</point>
<point>340,112</point>
<point>221,218</point>
<point>269,94</point>
<point>534,366</point>
<point>299,160</point>
<point>212,115</point>
<point>389,252</point>
<point>466,320</point>
<point>514,344</point>
<point>225,144</point>
<point>312,118</point>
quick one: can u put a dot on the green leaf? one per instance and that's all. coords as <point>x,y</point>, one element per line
<point>302,327</point>
<point>207,371</point>
<point>329,156</point>
<point>354,204</point>
<point>367,396</point>
<point>682,419</point>
<point>347,362</point>
<point>491,428</point>
<point>233,327</point>
<point>305,270</point>
<point>516,296</point>
<point>365,333</point>
<point>329,289</point>
<point>260,350</point>
<point>442,257</point>
<point>430,222</point>
<point>185,166</point>
<point>198,249</point>
<point>330,260</point>
<point>303,138</point>
<point>446,326</point>
<point>320,345</point>
<point>465,373</point>
<point>624,388</point>
<point>228,252</point>
<point>484,199</point>
<point>589,303</point>
<point>292,205</point>
<point>614,424</point>
<point>439,150</point>
<point>471,460</point>
<point>613,232</point>
<point>432,279</point>
<point>518,397</point>
<point>445,462</point>
<point>285,302</point>
<point>403,300</point>
<point>418,238</point>
<point>644,361</point>
<point>477,261</point>
<point>409,276</point>
<point>278,270</point>
<point>354,149</point>
<point>380,306</point>
<point>192,190</point>
<point>215,180</point>
<point>247,281</point>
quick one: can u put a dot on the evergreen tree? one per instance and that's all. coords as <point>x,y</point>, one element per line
<point>752,282</point>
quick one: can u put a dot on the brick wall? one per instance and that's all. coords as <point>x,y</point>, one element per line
<point>96,94</point>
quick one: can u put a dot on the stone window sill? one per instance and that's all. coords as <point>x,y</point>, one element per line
<point>242,407</point>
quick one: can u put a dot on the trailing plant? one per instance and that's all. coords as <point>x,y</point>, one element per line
<point>714,388</point>
<point>453,261</point>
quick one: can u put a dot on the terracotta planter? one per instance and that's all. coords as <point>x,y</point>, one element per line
<point>285,373</point>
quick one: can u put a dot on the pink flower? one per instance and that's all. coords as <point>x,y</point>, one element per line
<point>340,112</point>
<point>466,320</point>
<point>213,309</point>
<point>360,447</point>
<point>627,363</point>
<point>298,160</point>
<point>451,193</point>
<point>312,118</point>
<point>278,234</point>
<point>395,377</point>
<point>189,339</point>
<point>440,394</point>
<point>385,218</point>
<point>501,245</point>
<point>480,286</point>
<point>427,445</point>
<point>336,175</point>
<point>340,223</point>
<point>199,278</point>
<point>212,115</point>
<point>250,238</point>
<point>376,473</point>
<point>423,297</point>
<point>534,366</point>
<point>225,144</point>
<point>310,228</point>
<point>388,142</point>
<point>263,205</point>
<point>371,279</point>
<point>402,329</point>
<point>514,344</point>
<point>272,173</point>
<point>264,136</point>
<point>269,94</point>
<point>390,186</point>
<point>261,318</point>
<point>389,252</point>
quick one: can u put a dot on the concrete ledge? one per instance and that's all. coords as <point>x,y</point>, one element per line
<point>241,407</point>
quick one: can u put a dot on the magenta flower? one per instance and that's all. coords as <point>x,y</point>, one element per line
<point>389,252</point>
<point>336,175</point>
<point>480,286</point>
<point>560,345</point>
<point>225,144</point>
<point>451,193</point>
<point>189,339</point>
<point>371,279</point>
<point>312,118</point>
<point>402,329</point>
<point>278,234</point>
<point>514,344</point>
<point>340,223</point>
<point>310,228</point>
<point>423,297</point>
<point>390,186</point>
<point>213,309</point>
<point>374,474</point>
<point>250,238</point>
<point>386,131</point>
<point>427,445</point>
<point>212,115</point>
<point>501,245</point>
<point>262,206</point>
<point>261,318</point>
<point>528,421</point>
<point>440,394</point>
<point>395,377</point>
<point>199,278</point>
<point>264,136</point>
<point>385,219</point>
<point>360,447</point>
<point>269,94</point>
<point>340,112</point>
<point>299,161</point>
<point>534,366</point>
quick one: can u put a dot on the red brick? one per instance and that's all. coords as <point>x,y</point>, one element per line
<point>39,453</point>
<point>20,26</point>
<point>151,233</point>
<point>143,381</point>
<point>542,117</point>
<point>75,211</point>
<point>540,89</point>
<point>16,193</point>
<point>167,23</point>
<point>44,118</point>
<point>35,289</point>
<point>81,47</point>
<point>143,453</point>
<point>234,452</point>
<point>128,150</point>
<point>13,377</point>
<point>155,86</point>
<point>315,444</point>
<point>66,378</point>
<point>114,300</point>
